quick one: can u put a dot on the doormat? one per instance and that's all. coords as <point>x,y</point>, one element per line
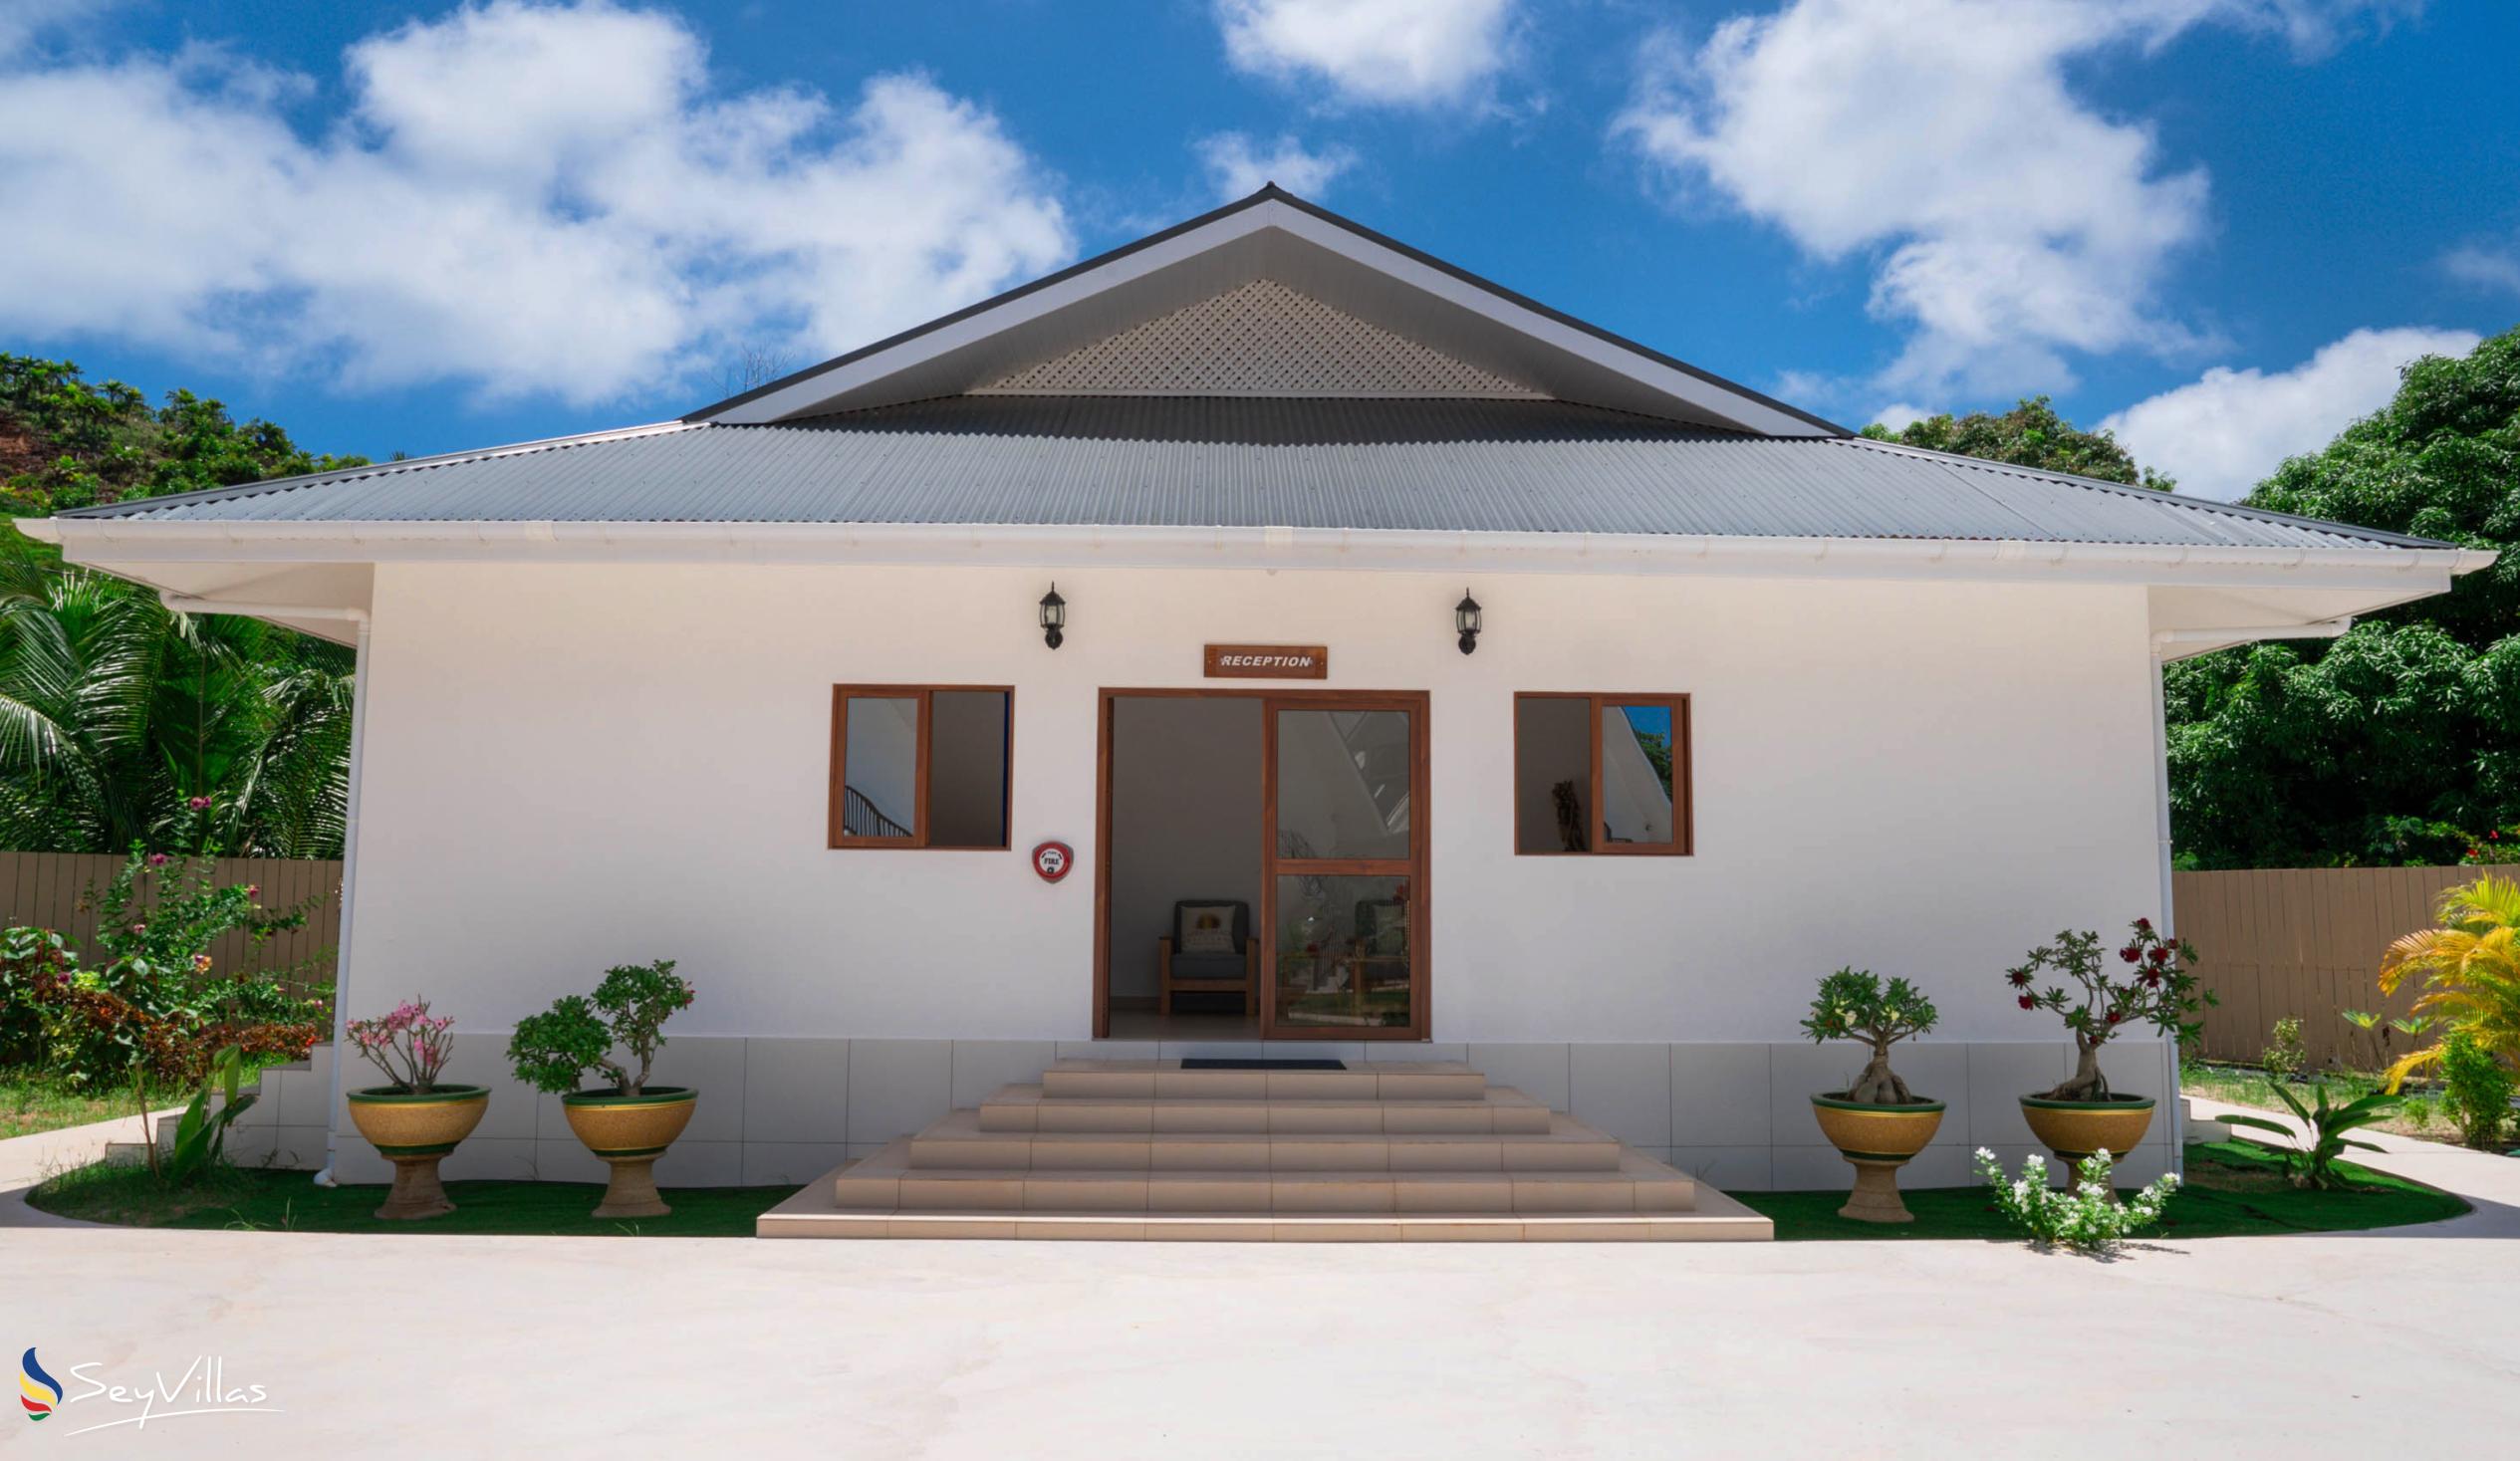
<point>1262,1064</point>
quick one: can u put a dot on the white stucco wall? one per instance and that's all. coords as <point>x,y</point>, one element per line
<point>569,767</point>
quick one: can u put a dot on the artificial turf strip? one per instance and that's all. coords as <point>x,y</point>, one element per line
<point>2233,1190</point>
<point>290,1202</point>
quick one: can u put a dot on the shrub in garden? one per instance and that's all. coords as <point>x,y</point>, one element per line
<point>183,1050</point>
<point>554,1050</point>
<point>2477,1089</point>
<point>2088,1219</point>
<point>410,1045</point>
<point>1853,1004</point>
<point>156,920</point>
<point>2471,976</point>
<point>2160,990</point>
<point>2285,1053</point>
<point>2314,1165</point>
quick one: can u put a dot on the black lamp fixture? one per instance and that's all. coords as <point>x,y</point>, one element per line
<point>1054,617</point>
<point>1466,618</point>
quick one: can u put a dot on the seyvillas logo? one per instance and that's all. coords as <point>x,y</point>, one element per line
<point>201,1388</point>
<point>37,1391</point>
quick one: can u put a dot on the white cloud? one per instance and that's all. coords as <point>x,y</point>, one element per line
<point>2222,433</point>
<point>1898,415</point>
<point>1395,52</point>
<point>1237,166</point>
<point>2008,222</point>
<point>2485,267</point>
<point>529,198</point>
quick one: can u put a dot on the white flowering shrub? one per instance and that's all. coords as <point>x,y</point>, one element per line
<point>2089,1219</point>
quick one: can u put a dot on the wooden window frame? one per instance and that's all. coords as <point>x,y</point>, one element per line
<point>1683,842</point>
<point>917,840</point>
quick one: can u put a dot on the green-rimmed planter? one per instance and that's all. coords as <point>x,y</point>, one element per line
<point>630,1132</point>
<point>415,1130</point>
<point>1877,1140</point>
<point>2074,1129</point>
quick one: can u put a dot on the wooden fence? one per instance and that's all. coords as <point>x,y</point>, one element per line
<point>52,890</point>
<point>2273,943</point>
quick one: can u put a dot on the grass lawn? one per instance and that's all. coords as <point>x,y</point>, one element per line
<point>2232,1189</point>
<point>30,1102</point>
<point>290,1202</point>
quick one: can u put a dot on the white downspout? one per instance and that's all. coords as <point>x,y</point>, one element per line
<point>350,829</point>
<point>2162,860</point>
<point>349,901</point>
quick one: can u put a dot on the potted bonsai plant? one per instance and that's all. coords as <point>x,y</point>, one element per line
<point>2081,1114</point>
<point>627,1122</point>
<point>1878,1125</point>
<point>413,1121</point>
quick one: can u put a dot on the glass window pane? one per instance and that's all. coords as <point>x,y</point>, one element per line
<point>1637,751</point>
<point>879,766</point>
<point>1553,775</point>
<point>1343,952</point>
<point>966,769</point>
<point>1342,782</point>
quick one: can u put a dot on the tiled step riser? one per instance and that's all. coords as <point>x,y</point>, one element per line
<point>1064,1085</point>
<point>1736,1226</point>
<point>1132,1152</point>
<point>1233,1193</point>
<point>1262,1117</point>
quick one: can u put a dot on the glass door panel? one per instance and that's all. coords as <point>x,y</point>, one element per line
<point>1342,952</point>
<point>1346,850</point>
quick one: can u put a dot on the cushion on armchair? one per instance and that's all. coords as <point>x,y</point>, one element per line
<point>1209,928</point>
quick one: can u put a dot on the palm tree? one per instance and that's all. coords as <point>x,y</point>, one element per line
<point>117,713</point>
<point>2470,967</point>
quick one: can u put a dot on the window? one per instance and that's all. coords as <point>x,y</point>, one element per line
<point>1601,774</point>
<point>920,766</point>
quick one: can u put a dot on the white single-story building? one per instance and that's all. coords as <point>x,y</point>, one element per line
<point>768,690</point>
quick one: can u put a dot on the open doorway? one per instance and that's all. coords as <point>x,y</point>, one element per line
<point>1263,868</point>
<point>1185,867</point>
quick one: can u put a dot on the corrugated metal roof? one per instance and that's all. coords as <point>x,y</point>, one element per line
<point>1192,462</point>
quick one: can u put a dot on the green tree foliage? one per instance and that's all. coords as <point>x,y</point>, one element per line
<point>117,716</point>
<point>66,442</point>
<point>2441,460</point>
<point>2401,742</point>
<point>2031,434</point>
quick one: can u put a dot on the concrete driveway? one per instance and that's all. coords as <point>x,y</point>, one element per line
<point>463,1347</point>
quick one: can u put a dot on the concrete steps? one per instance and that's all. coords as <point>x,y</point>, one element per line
<point>1146,1149</point>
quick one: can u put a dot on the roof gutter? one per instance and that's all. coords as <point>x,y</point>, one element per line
<point>187,603</point>
<point>2323,629</point>
<point>184,540</point>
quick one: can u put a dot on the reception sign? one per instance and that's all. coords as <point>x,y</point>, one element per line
<point>1268,662</point>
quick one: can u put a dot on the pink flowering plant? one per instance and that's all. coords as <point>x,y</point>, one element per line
<point>2158,988</point>
<point>408,1044</point>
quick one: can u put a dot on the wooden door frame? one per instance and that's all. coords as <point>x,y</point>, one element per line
<point>1420,919</point>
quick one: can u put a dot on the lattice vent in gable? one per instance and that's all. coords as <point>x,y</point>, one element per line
<point>1259,339</point>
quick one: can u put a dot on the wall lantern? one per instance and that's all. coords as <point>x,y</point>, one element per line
<point>1466,618</point>
<point>1054,617</point>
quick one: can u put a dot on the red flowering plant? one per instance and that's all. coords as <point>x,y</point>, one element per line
<point>408,1043</point>
<point>2157,989</point>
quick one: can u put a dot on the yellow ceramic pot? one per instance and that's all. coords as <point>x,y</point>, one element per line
<point>414,1132</point>
<point>630,1132</point>
<point>2074,1129</point>
<point>1877,1140</point>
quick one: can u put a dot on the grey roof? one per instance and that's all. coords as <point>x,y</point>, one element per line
<point>1196,462</point>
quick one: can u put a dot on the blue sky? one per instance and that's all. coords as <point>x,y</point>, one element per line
<point>2220,225</point>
